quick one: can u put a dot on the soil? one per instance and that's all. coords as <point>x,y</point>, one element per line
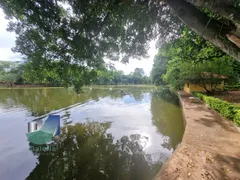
<point>210,147</point>
<point>231,96</point>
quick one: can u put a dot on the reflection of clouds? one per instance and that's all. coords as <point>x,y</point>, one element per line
<point>145,140</point>
<point>88,145</point>
<point>128,99</point>
<point>146,98</point>
<point>128,116</point>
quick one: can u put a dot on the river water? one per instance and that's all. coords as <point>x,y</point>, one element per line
<point>106,133</point>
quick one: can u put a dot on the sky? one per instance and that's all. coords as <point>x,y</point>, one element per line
<point>7,41</point>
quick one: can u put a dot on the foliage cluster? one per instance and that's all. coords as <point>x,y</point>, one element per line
<point>11,72</point>
<point>118,77</point>
<point>232,87</point>
<point>159,68</point>
<point>192,59</point>
<point>78,76</point>
<point>83,33</point>
<point>226,109</point>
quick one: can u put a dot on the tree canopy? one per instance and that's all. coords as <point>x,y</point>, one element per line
<point>159,68</point>
<point>27,73</point>
<point>207,74</point>
<point>86,32</point>
<point>116,77</point>
<point>187,58</point>
<point>10,72</point>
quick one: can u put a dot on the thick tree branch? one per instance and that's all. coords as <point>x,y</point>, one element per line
<point>203,85</point>
<point>234,39</point>
<point>224,8</point>
<point>197,21</point>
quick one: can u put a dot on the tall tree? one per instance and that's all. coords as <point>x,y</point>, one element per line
<point>216,21</point>
<point>139,72</point>
<point>187,57</point>
<point>207,74</point>
<point>11,72</point>
<point>87,31</point>
<point>58,73</point>
<point>159,68</point>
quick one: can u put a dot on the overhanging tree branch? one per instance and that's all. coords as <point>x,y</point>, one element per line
<point>225,8</point>
<point>197,20</point>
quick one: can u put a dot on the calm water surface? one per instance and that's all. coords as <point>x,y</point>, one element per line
<point>105,134</point>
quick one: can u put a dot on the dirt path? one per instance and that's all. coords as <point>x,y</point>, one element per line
<point>210,148</point>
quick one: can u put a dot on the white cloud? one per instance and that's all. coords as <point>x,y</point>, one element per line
<point>146,63</point>
<point>7,40</point>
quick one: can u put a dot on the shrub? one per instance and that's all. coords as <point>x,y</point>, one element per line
<point>226,109</point>
<point>232,87</point>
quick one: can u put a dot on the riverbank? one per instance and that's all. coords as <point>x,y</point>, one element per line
<point>210,147</point>
<point>23,86</point>
<point>84,87</point>
<point>122,86</point>
<point>93,86</point>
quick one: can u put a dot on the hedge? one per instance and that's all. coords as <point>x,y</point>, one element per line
<point>232,87</point>
<point>226,109</point>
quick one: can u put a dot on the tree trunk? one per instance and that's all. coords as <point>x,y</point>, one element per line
<point>209,29</point>
<point>224,8</point>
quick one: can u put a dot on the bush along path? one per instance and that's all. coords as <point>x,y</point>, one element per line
<point>210,148</point>
<point>226,109</point>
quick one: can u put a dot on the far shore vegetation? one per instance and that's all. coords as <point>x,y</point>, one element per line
<point>192,60</point>
<point>22,74</point>
<point>74,44</point>
<point>67,47</point>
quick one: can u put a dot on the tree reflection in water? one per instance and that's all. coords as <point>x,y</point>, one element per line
<point>167,117</point>
<point>44,100</point>
<point>87,152</point>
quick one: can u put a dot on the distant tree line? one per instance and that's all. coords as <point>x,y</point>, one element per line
<point>86,32</point>
<point>118,77</point>
<point>11,72</point>
<point>54,75</point>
